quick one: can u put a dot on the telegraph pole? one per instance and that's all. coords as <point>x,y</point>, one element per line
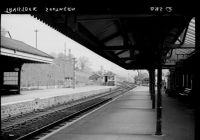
<point>64,59</point>
<point>74,77</point>
<point>73,61</point>
<point>36,38</point>
<point>65,49</point>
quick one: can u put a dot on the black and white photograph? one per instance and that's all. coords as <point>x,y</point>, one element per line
<point>98,71</point>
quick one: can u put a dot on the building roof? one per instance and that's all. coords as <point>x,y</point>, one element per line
<point>94,76</point>
<point>18,49</point>
<point>21,46</point>
<point>109,74</point>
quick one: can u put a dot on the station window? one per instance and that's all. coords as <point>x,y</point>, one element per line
<point>10,78</point>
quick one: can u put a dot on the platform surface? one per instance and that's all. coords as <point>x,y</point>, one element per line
<point>129,117</point>
<point>46,93</point>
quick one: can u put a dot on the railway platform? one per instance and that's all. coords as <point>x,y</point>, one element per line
<point>130,117</point>
<point>47,93</point>
<point>29,101</point>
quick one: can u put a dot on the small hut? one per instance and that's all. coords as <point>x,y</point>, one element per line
<point>109,79</point>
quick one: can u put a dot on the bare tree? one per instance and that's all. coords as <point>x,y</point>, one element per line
<point>84,63</point>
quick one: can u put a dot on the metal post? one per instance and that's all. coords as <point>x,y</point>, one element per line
<point>159,102</point>
<point>36,38</point>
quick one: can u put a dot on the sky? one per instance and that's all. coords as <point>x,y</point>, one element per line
<point>22,27</point>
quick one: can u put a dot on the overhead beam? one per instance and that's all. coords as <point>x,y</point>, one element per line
<point>136,66</point>
<point>123,32</point>
<point>112,48</point>
<point>83,32</point>
<point>91,17</point>
<point>127,58</point>
<point>140,64</point>
<point>122,51</point>
<point>85,18</point>
<point>116,34</point>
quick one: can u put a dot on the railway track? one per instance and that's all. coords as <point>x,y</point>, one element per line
<point>48,122</point>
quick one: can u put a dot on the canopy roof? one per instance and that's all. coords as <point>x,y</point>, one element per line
<point>130,40</point>
<point>19,50</point>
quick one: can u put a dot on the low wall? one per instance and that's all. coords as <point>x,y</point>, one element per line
<point>15,109</point>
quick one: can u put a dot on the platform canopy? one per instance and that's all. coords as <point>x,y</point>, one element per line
<point>13,54</point>
<point>128,37</point>
<point>15,51</point>
<point>184,47</point>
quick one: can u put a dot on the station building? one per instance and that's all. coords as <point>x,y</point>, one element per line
<point>13,54</point>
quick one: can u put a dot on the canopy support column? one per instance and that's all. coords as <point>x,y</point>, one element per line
<point>152,86</point>
<point>19,79</point>
<point>159,102</point>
